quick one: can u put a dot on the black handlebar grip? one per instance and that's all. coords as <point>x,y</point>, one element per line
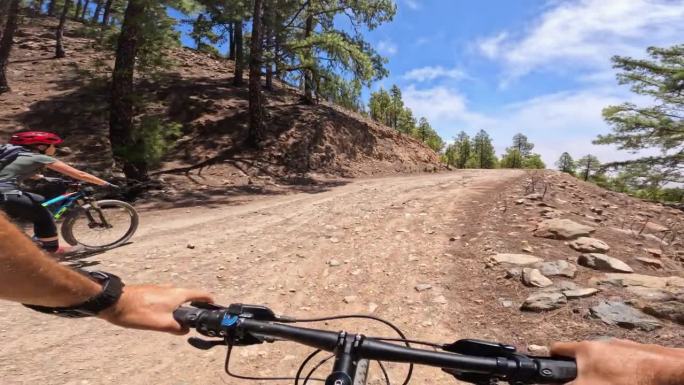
<point>186,316</point>
<point>555,370</point>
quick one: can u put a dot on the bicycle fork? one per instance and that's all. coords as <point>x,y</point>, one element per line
<point>103,221</point>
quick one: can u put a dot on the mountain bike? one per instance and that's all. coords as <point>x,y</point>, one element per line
<point>473,361</point>
<point>91,223</point>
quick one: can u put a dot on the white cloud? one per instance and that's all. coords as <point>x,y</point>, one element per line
<point>431,73</point>
<point>565,121</point>
<point>586,33</point>
<point>387,47</point>
<point>442,106</point>
<point>413,4</point>
<point>490,46</point>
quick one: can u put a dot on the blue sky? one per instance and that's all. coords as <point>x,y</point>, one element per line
<point>532,66</point>
<point>540,67</point>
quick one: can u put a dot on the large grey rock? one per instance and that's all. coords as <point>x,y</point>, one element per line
<point>543,301</point>
<point>589,245</point>
<point>604,263</point>
<point>650,281</point>
<point>532,277</point>
<point>651,262</point>
<point>671,310</point>
<point>579,293</point>
<point>516,259</point>
<point>562,229</point>
<point>557,268</point>
<point>623,315</point>
<point>651,294</point>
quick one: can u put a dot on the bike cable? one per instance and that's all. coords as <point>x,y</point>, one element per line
<point>406,341</point>
<point>285,319</point>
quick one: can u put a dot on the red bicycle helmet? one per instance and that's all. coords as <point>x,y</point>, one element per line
<point>35,137</point>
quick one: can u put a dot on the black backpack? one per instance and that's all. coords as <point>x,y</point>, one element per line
<point>8,153</point>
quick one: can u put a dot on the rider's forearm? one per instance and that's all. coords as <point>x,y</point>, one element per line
<point>669,367</point>
<point>65,169</point>
<point>29,276</point>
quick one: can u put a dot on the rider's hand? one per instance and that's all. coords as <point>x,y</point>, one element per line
<point>621,362</point>
<point>151,307</point>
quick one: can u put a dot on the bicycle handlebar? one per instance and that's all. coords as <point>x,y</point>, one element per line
<point>468,360</point>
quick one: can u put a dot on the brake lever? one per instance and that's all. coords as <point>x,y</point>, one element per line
<point>199,343</point>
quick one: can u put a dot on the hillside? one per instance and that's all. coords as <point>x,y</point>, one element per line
<point>304,143</point>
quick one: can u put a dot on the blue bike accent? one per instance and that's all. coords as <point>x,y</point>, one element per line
<point>69,199</point>
<point>229,320</point>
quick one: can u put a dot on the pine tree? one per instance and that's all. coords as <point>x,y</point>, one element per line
<point>256,129</point>
<point>77,10</point>
<point>107,12</point>
<point>517,154</point>
<point>397,106</point>
<point>483,155</point>
<point>121,128</point>
<point>566,164</point>
<point>462,148</point>
<point>85,10</point>
<point>379,104</point>
<point>7,41</point>
<point>59,34</point>
<point>239,55</point>
<point>423,130</point>
<point>324,50</point>
<point>533,161</point>
<point>587,165</point>
<point>660,125</point>
<point>407,123</point>
<point>98,10</point>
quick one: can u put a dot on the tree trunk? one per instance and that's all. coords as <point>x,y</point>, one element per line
<point>308,73</point>
<point>52,8</point>
<point>231,41</point>
<point>269,20</point>
<point>198,37</point>
<point>98,10</point>
<point>122,94</point>
<point>107,11</point>
<point>239,53</point>
<point>256,130</point>
<point>586,171</point>
<point>4,12</point>
<point>6,43</point>
<point>85,10</point>
<point>77,11</point>
<point>59,45</point>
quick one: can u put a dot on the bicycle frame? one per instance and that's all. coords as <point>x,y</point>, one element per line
<point>69,201</point>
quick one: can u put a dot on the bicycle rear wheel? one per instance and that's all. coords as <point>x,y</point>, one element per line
<point>103,225</point>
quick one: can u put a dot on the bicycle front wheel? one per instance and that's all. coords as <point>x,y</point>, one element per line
<point>102,225</point>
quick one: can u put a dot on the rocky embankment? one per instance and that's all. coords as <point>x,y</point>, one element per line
<point>604,255</point>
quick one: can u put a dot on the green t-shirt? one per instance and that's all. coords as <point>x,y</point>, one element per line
<point>24,166</point>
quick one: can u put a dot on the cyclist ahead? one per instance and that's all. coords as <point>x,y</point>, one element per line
<point>26,155</point>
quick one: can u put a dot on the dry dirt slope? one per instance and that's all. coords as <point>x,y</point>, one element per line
<point>69,96</point>
<point>416,250</point>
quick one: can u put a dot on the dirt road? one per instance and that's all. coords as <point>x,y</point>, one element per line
<point>360,247</point>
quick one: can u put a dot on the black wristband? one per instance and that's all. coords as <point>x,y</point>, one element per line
<point>112,288</point>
